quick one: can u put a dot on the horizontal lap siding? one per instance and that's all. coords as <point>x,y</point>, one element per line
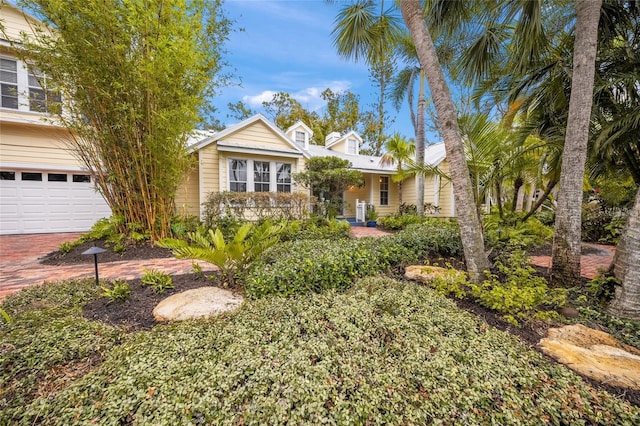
<point>39,146</point>
<point>188,193</point>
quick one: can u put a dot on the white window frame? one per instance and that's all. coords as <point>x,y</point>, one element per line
<point>288,182</point>
<point>352,146</point>
<point>250,178</point>
<point>238,178</point>
<point>298,136</point>
<point>9,86</point>
<point>385,191</point>
<point>261,182</point>
<point>24,89</point>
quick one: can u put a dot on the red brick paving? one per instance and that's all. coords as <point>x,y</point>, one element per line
<point>589,264</point>
<point>19,267</point>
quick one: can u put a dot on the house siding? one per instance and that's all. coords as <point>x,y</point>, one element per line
<point>187,199</point>
<point>35,145</point>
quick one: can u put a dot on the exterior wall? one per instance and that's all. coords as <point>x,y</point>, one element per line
<point>258,134</point>
<point>445,199</point>
<point>22,145</point>
<point>370,193</point>
<point>16,22</point>
<point>188,193</point>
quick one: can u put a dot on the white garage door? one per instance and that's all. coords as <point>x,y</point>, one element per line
<point>40,201</point>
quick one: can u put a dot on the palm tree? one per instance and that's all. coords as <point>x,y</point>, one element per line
<point>566,250</point>
<point>626,302</point>
<point>398,151</point>
<point>470,227</point>
<point>363,32</point>
<point>403,84</point>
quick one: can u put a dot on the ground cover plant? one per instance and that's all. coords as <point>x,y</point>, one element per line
<point>383,352</point>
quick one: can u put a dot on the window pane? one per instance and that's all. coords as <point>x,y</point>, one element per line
<point>238,175</point>
<point>7,175</point>
<point>57,177</point>
<point>81,178</point>
<point>31,176</point>
<point>8,64</point>
<point>384,190</point>
<point>284,172</point>
<point>8,77</point>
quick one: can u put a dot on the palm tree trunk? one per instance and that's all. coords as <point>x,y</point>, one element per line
<point>517,186</point>
<point>420,142</point>
<point>566,250</point>
<point>626,302</point>
<point>470,229</point>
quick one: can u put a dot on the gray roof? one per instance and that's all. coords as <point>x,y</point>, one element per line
<point>434,154</point>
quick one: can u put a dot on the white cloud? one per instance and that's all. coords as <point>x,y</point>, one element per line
<point>309,97</point>
<point>257,100</point>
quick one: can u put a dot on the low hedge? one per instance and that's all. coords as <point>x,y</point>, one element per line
<point>300,267</point>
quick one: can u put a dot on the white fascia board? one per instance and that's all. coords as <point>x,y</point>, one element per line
<point>272,152</point>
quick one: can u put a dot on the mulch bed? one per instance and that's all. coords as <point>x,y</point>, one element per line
<point>136,313</point>
<point>140,251</point>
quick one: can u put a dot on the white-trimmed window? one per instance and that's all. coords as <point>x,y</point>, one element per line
<point>384,190</point>
<point>26,89</point>
<point>283,177</point>
<point>352,146</point>
<point>301,137</point>
<point>41,99</point>
<point>261,176</point>
<point>9,83</point>
<point>237,175</point>
<point>267,176</point>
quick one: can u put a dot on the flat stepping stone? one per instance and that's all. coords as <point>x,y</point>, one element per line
<point>197,303</point>
<point>594,354</point>
<point>426,273</point>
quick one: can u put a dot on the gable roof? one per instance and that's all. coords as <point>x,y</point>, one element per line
<point>202,138</point>
<point>298,124</point>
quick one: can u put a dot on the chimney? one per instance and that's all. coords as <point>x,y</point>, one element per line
<point>331,137</point>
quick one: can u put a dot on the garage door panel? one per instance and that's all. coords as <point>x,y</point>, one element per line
<point>43,206</point>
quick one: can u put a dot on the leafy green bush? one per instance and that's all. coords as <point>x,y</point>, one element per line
<point>384,352</point>
<point>452,283</point>
<point>398,221</point>
<point>306,266</point>
<point>234,257</point>
<point>518,293</point>
<point>158,280</point>
<point>432,237</point>
<point>119,292</point>
<point>601,224</point>
<point>512,234</point>
<point>180,225</point>
<point>315,228</point>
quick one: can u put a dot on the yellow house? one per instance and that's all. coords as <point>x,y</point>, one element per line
<point>43,187</point>
<point>256,156</point>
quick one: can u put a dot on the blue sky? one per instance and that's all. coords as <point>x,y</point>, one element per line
<point>286,45</point>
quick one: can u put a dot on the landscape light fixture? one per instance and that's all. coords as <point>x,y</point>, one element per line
<point>95,251</point>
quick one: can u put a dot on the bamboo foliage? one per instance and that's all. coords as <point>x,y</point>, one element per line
<point>134,77</point>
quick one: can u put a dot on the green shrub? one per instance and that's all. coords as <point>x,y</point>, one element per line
<point>601,224</point>
<point>432,237</point>
<point>518,294</point>
<point>180,225</point>
<point>399,221</point>
<point>452,283</point>
<point>512,234</point>
<point>67,246</point>
<point>233,257</point>
<point>304,266</point>
<point>119,292</point>
<point>158,280</point>
<point>315,228</point>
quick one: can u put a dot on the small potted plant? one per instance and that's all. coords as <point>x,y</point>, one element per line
<point>371,215</point>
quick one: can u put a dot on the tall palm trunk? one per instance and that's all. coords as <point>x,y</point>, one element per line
<point>420,142</point>
<point>470,229</point>
<point>627,298</point>
<point>566,244</point>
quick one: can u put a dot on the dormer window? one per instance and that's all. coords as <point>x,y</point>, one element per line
<point>352,146</point>
<point>301,137</point>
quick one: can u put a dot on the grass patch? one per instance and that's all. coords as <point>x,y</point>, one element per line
<point>383,352</point>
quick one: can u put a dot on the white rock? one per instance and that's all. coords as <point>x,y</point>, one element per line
<point>197,303</point>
